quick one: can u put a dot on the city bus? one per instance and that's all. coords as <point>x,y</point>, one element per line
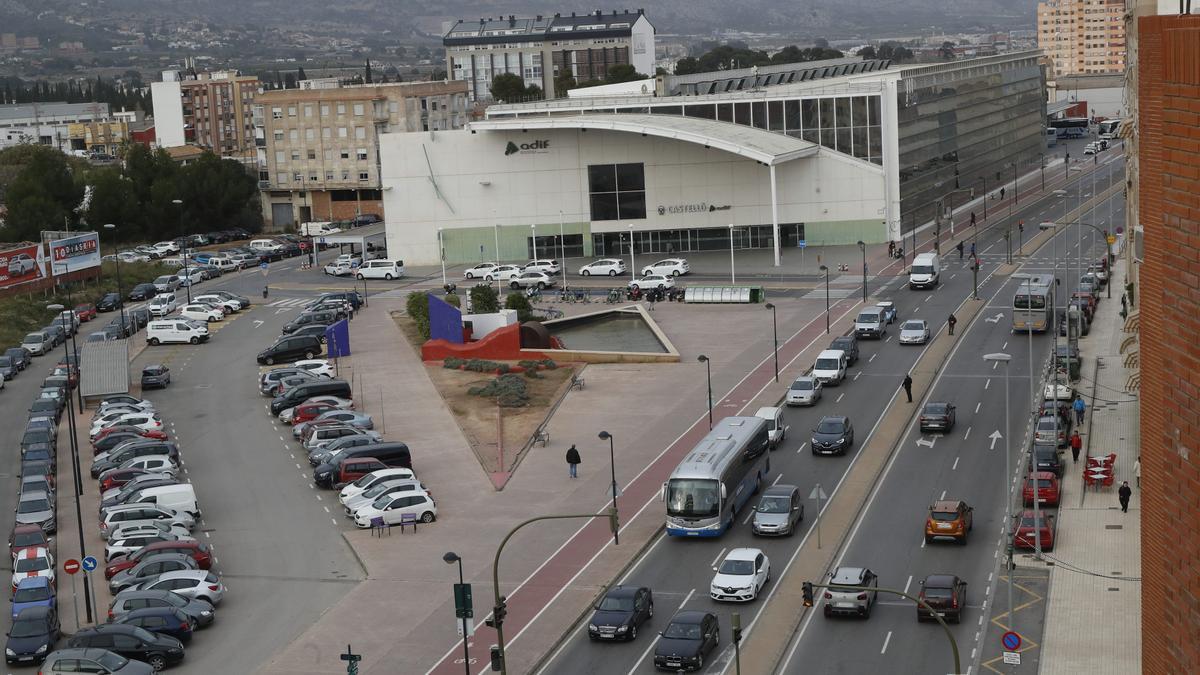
<point>1070,127</point>
<point>1051,138</point>
<point>717,478</point>
<point>1109,129</point>
<point>1033,304</point>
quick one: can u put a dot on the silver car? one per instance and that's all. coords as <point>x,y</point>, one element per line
<point>92,660</point>
<point>778,511</point>
<point>202,585</point>
<point>805,390</point>
<point>914,332</point>
<point>857,601</point>
<point>37,508</point>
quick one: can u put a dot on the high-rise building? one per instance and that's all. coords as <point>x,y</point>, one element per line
<point>319,144</point>
<point>209,110</point>
<point>1082,36</point>
<point>540,49</point>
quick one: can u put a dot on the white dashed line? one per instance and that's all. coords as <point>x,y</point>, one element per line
<point>872,358</point>
<point>718,558</point>
<point>977,405</point>
<point>988,383</point>
<point>968,434</point>
<point>908,583</point>
<point>886,640</point>
<point>326,509</point>
<point>955,467</point>
<point>840,397</point>
<point>801,448</point>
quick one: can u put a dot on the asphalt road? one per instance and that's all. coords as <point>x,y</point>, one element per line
<point>890,539</point>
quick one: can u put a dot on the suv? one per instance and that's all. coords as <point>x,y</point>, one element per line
<point>159,651</point>
<point>323,317</point>
<point>857,602</point>
<point>946,594</point>
<point>949,518</point>
<point>620,612</point>
<point>847,344</point>
<point>833,435</point>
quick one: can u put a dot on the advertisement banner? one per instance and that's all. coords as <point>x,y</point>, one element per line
<point>79,252</point>
<point>21,265</point>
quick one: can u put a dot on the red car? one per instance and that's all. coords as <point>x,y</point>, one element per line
<point>199,552</point>
<point>306,412</point>
<point>24,537</point>
<point>1028,525</point>
<point>117,477</point>
<point>86,311</point>
<point>1047,489</point>
<point>156,434</point>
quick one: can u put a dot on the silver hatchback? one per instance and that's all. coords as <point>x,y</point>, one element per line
<point>778,512</point>
<point>856,601</point>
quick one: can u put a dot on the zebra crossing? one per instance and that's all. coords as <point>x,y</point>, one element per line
<point>289,303</point>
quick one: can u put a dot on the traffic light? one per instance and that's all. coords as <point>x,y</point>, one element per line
<point>808,593</point>
<point>497,659</point>
<point>614,521</point>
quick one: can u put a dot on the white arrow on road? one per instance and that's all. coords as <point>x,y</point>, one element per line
<point>995,436</point>
<point>258,322</point>
<point>922,441</point>
<point>995,319</point>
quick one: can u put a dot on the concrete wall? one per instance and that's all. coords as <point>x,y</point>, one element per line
<point>483,324</point>
<point>168,114</point>
<point>1104,102</point>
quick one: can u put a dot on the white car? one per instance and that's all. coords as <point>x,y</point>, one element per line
<point>914,332</point>
<point>504,273</point>
<point>741,575</point>
<point>166,247</point>
<point>149,528</point>
<point>480,271</point>
<point>195,584</point>
<point>533,279</point>
<point>549,266</point>
<point>806,390</point>
<point>125,401</point>
<point>201,312</point>
<point>609,266</point>
<point>143,421</point>
<point>357,487</point>
<point>159,464</point>
<point>381,489</point>
<point>192,277</point>
<point>392,508</point>
<point>163,304</point>
<point>339,268</point>
<point>669,267</point>
<point>319,367</point>
<point>123,548</point>
<point>340,403</point>
<point>229,306</point>
<point>653,281</point>
<point>33,562</point>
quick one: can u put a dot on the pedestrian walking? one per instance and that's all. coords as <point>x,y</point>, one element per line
<point>950,322</point>
<point>1001,193</point>
<point>1079,407</point>
<point>1076,446</point>
<point>972,249</point>
<point>573,461</point>
<point>959,247</point>
<point>1137,470</point>
<point>891,249</point>
<point>1123,495</point>
<point>907,384</point>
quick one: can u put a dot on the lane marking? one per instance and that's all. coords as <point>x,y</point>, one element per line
<point>943,495</point>
<point>886,640</point>
<point>955,467</point>
<point>718,558</point>
<point>908,583</point>
<point>801,448</point>
<point>858,375</point>
<point>977,406</point>
<point>988,383</point>
<point>872,358</point>
<point>840,397</point>
<point>968,434</point>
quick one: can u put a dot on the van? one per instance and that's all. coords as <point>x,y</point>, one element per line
<point>317,229</point>
<point>180,498</point>
<point>176,330</point>
<point>302,392</point>
<point>870,323</point>
<point>167,283</point>
<point>394,455</point>
<point>776,429</point>
<point>291,348</point>
<point>925,271</point>
<point>163,304</point>
<point>223,263</point>
<point>381,269</point>
<point>265,246</point>
<point>830,367</point>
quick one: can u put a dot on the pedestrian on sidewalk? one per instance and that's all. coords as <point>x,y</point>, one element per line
<point>960,250</point>
<point>573,461</point>
<point>1137,470</point>
<point>1076,446</point>
<point>1079,407</point>
<point>950,322</point>
<point>891,249</point>
<point>1123,495</point>
<point>1001,193</point>
<point>907,384</point>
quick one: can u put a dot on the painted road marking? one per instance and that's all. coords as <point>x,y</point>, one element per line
<point>968,434</point>
<point>801,448</point>
<point>955,467</point>
<point>977,405</point>
<point>886,640</point>
<point>718,558</point>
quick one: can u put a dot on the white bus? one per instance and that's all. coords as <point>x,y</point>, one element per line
<point>1033,304</point>
<point>719,475</point>
<point>1109,129</point>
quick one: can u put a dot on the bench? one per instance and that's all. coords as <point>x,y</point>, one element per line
<point>577,382</point>
<point>541,436</point>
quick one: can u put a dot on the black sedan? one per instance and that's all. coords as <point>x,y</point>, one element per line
<point>21,357</point>
<point>937,416</point>
<point>620,613</point>
<point>33,633</point>
<point>111,302</point>
<point>689,638</point>
<point>833,436</point>
<point>143,292</point>
<point>131,642</point>
<point>8,369</point>
<point>156,376</point>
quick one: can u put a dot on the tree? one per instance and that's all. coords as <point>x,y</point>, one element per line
<point>563,83</point>
<point>484,300</point>
<point>508,87</point>
<point>867,52</point>
<point>367,74</point>
<point>623,72</point>
<point>300,74</point>
<point>688,65</point>
<point>947,50</point>
<point>434,75</point>
<point>519,302</point>
<point>821,43</point>
<point>43,195</point>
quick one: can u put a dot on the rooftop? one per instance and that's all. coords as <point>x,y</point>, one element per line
<point>514,29</point>
<point>52,111</point>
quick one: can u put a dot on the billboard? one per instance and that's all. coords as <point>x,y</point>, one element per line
<point>75,253</point>
<point>22,264</point>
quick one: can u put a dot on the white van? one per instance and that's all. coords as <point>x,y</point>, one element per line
<point>223,263</point>
<point>175,330</point>
<point>776,429</point>
<point>266,245</point>
<point>925,271</point>
<point>317,229</point>
<point>180,498</point>
<point>381,269</point>
<point>830,367</point>
<point>163,304</point>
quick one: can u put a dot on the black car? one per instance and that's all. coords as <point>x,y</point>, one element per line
<point>8,369</point>
<point>937,416</point>
<point>316,330</point>
<point>1047,459</point>
<point>199,612</point>
<point>834,435</point>
<point>162,620</point>
<point>132,642</point>
<point>848,344</point>
<point>57,334</point>
<point>620,613</point>
<point>353,297</point>
<point>33,634</point>
<point>139,318</point>
<point>689,638</point>
<point>143,292</point>
<point>946,594</point>
<point>156,376</point>
<point>37,437</point>
<point>46,407</point>
<point>112,440</point>
<point>309,319</point>
<point>290,348</point>
<point>21,357</point>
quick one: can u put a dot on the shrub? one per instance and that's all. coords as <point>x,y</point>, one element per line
<point>519,302</point>
<point>509,391</point>
<point>453,362</point>
<point>484,300</point>
<point>417,306</point>
<point>453,300</point>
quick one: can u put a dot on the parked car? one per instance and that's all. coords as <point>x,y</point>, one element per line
<point>149,568</point>
<point>33,633</point>
<point>480,271</point>
<point>8,369</point>
<point>202,312</point>
<point>368,481</point>
<point>33,562</point>
<point>392,509</point>
<point>805,390</point>
<point>938,416</point>
<point>669,267</point>
<point>547,265</point>
<point>1047,458</point>
<point>652,282</point>
<point>155,376</point>
<point>38,342</point>
<point>309,319</point>
<point>946,594</point>
<point>370,496</point>
<point>143,292</point>
<point>1048,489</point>
<point>167,621</point>
<point>858,598</point>
<point>92,661</point>
<point>741,576</point>
<point>199,551</point>
<point>779,511</point>
<point>949,519</point>
<point>1049,430</point>
<point>833,435</point>
<point>291,348</point>
<point>847,344</point>
<point>531,279</point>
<point>21,357</point>
<point>26,537</point>
<point>85,311</point>
<point>127,601</point>
<point>32,592</point>
<point>688,639</point>
<point>197,584</point>
<point>131,642</point>
<point>620,613</point>
<point>1030,528</point>
<point>37,508</point>
<point>604,266</point>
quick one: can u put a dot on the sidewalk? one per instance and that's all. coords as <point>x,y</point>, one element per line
<point>1094,609</point>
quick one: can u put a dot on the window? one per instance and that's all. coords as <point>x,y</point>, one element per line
<point>278,135</point>
<point>276,113</point>
<point>294,135</point>
<point>617,191</point>
<point>308,110</point>
<point>312,154</point>
<point>313,177</point>
<point>326,132</point>
<point>345,154</point>
<point>281,178</point>
<point>324,110</point>
<point>363,176</point>
<point>358,110</point>
<point>297,177</point>
<point>291,111</point>
<point>279,157</point>
<point>341,108</point>
<point>328,155</point>
<point>362,154</point>
<point>345,174</point>
<point>310,134</point>
<point>295,155</point>
<point>343,132</point>
<point>329,176</point>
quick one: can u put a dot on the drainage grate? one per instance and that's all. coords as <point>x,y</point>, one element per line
<point>1113,588</point>
<point>1114,527</point>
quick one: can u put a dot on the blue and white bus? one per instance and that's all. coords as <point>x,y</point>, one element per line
<point>1033,304</point>
<point>717,478</point>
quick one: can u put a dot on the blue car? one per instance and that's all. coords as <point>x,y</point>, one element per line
<point>32,592</point>
<point>162,620</point>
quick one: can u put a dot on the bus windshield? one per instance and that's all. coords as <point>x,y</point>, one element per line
<point>693,498</point>
<point>1023,301</point>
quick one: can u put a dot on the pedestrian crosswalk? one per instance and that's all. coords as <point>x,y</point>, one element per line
<point>289,302</point>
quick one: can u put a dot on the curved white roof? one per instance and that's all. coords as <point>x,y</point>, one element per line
<point>767,147</point>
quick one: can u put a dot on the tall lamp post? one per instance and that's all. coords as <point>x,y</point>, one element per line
<point>87,592</point>
<point>117,260</point>
<point>183,249</point>
<point>732,276</point>
<point>442,256</point>
<point>1000,357</point>
<point>612,463</point>
<point>863,247</point>
<point>633,273</point>
<point>825,269</point>
<point>774,336</point>
<point>708,370</point>
<point>562,249</point>
<point>533,237</point>
<point>985,196</point>
<point>450,558</point>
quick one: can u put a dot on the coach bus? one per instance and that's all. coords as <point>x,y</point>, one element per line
<point>1070,127</point>
<point>717,478</point>
<point>1109,129</point>
<point>1033,304</point>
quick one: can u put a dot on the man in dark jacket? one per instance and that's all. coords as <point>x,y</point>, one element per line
<point>573,461</point>
<point>907,384</point>
<point>1123,495</point>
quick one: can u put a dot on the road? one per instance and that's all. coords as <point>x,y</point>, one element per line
<point>889,539</point>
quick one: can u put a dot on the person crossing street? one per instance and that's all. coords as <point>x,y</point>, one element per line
<point>1080,407</point>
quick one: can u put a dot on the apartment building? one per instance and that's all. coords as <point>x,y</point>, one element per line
<point>1083,36</point>
<point>319,144</point>
<point>212,110</point>
<point>541,48</point>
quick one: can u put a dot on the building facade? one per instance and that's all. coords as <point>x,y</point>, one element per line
<point>102,137</point>
<point>540,49</point>
<point>47,123</point>
<point>1083,36</point>
<point>212,110</point>
<point>1168,304</point>
<point>319,145</point>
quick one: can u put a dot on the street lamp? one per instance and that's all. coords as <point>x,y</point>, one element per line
<point>1000,357</point>
<point>612,463</point>
<point>985,196</point>
<point>774,337</point>
<point>1023,277</point>
<point>825,269</point>
<point>183,249</point>
<point>732,278</point>
<point>450,558</point>
<point>442,255</point>
<point>120,293</point>
<point>74,439</point>
<point>863,247</point>
<point>533,229</point>
<point>708,369</point>
<point>632,265</point>
<point>562,249</point>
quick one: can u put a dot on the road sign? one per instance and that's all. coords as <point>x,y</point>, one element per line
<point>801,244</point>
<point>352,659</point>
<point>817,493</point>
<point>1011,641</point>
<point>463,608</point>
<point>263,266</point>
<point>1012,658</point>
<point>1112,239</point>
<point>71,566</point>
<point>89,564</point>
<point>468,623</point>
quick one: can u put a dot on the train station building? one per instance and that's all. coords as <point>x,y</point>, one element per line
<point>817,153</point>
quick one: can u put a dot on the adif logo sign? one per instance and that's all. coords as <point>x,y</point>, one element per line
<point>535,147</point>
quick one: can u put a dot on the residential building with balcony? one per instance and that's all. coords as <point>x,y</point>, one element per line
<point>212,110</point>
<point>1082,36</point>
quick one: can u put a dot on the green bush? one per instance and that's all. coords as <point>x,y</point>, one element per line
<point>531,367</point>
<point>519,302</point>
<point>484,300</point>
<point>453,300</point>
<point>509,391</point>
<point>417,306</point>
<point>453,362</point>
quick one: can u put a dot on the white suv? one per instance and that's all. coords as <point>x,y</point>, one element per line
<point>549,266</point>
<point>668,267</point>
<point>163,304</point>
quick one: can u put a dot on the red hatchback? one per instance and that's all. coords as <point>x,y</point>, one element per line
<point>156,434</point>
<point>1047,489</point>
<point>198,551</point>
<point>86,311</point>
<point>1028,525</point>
<point>114,478</point>
<point>306,412</point>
